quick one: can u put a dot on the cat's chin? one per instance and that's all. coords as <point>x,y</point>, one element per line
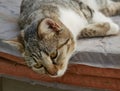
<point>60,73</point>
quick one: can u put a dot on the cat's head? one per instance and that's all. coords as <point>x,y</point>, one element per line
<point>46,47</point>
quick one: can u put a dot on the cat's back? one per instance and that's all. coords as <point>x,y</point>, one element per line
<point>32,5</point>
<point>32,10</point>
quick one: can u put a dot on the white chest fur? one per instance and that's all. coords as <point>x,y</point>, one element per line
<point>73,21</point>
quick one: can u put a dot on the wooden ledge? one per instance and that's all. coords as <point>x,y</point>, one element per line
<point>77,74</point>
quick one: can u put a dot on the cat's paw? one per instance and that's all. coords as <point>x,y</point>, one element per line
<point>114,29</point>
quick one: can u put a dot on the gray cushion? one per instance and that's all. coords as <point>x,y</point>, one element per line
<point>100,52</point>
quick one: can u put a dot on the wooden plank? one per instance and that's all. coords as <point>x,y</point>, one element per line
<point>77,75</point>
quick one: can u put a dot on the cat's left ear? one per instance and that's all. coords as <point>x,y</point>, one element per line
<point>16,42</point>
<point>48,26</point>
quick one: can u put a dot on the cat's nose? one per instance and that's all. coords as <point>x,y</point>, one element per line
<point>52,72</point>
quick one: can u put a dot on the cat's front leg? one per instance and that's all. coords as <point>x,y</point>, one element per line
<point>111,9</point>
<point>99,29</point>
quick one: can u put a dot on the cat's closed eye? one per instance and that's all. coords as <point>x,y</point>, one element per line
<point>35,58</point>
<point>54,54</point>
<point>38,66</point>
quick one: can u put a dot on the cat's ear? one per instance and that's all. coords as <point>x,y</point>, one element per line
<point>16,42</point>
<point>48,26</point>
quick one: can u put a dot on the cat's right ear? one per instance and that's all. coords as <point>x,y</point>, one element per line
<point>16,42</point>
<point>48,26</point>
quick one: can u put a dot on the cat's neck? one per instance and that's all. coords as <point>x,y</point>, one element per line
<point>72,20</point>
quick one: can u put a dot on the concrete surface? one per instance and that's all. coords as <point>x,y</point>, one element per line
<point>8,84</point>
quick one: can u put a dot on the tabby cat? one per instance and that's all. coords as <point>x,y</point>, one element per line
<point>50,29</point>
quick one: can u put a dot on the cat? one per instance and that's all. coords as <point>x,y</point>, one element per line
<point>51,28</point>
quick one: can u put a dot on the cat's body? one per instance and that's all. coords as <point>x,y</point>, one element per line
<point>50,29</point>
